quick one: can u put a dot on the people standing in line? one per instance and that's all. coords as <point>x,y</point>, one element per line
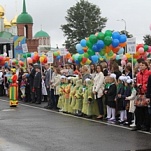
<point>85,73</point>
<point>48,73</point>
<point>105,68</point>
<point>141,113</point>
<point>56,86</point>
<point>92,70</point>
<point>1,83</point>
<point>111,95</point>
<point>70,70</point>
<point>31,72</point>
<point>128,71</point>
<point>37,85</point>
<point>98,88</point>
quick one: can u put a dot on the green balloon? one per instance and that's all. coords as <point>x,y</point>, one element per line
<point>108,33</point>
<point>86,55</point>
<point>89,44</point>
<point>80,58</point>
<point>93,39</point>
<point>16,62</point>
<point>110,54</point>
<point>102,52</point>
<point>28,55</point>
<point>100,36</point>
<point>145,47</point>
<point>107,40</point>
<point>134,61</point>
<point>24,56</point>
<point>90,52</point>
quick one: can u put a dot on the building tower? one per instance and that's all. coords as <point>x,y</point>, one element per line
<point>25,28</point>
<point>25,23</point>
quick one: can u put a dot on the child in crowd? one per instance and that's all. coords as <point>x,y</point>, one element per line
<point>78,97</point>
<point>106,88</point>
<point>131,98</point>
<point>111,94</point>
<point>120,100</point>
<point>60,104</point>
<point>44,90</point>
<point>72,94</point>
<point>67,94</point>
<point>23,86</point>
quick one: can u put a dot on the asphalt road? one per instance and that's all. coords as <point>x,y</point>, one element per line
<point>29,128</point>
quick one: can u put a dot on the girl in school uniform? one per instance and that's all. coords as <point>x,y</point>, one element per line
<point>120,100</point>
<point>111,94</point>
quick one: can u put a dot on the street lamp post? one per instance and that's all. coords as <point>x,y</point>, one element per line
<point>124,30</point>
<point>124,24</point>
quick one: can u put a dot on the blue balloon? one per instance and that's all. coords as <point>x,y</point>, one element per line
<point>100,44</point>
<point>115,43</point>
<point>80,51</point>
<point>77,62</point>
<point>78,47</point>
<point>123,38</point>
<point>95,48</point>
<point>116,35</point>
<point>95,59</point>
<point>120,51</point>
<point>32,54</point>
<point>58,57</point>
<point>6,65</point>
<point>83,43</point>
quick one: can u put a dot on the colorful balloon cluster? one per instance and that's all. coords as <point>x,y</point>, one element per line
<point>142,51</point>
<point>99,46</point>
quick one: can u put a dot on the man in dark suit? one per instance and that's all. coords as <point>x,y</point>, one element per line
<point>37,85</point>
<point>31,72</point>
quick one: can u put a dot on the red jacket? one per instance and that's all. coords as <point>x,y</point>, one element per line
<point>142,79</point>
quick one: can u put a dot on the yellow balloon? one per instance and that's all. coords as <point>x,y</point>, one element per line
<point>42,59</point>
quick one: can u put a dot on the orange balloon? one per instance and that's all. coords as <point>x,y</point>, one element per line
<point>7,59</point>
<point>123,44</point>
<point>68,56</point>
<point>85,49</point>
<point>107,49</point>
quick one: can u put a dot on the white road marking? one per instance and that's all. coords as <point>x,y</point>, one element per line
<point>91,120</point>
<point>8,110</point>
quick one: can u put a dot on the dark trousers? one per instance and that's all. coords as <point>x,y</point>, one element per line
<point>56,101</point>
<point>48,95</point>
<point>32,94</point>
<point>142,117</point>
<point>100,105</point>
<point>1,90</point>
<point>51,102</point>
<point>38,95</point>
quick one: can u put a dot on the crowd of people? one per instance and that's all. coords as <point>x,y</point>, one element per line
<point>106,91</point>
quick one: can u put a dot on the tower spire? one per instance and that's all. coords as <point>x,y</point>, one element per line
<point>24,6</point>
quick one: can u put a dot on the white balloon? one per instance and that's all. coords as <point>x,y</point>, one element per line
<point>5,54</point>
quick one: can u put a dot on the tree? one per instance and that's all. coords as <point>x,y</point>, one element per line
<point>82,19</point>
<point>126,33</point>
<point>147,39</point>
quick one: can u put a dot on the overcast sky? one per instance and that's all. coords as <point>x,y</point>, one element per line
<point>51,14</point>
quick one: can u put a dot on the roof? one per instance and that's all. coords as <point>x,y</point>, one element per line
<point>24,17</point>
<point>41,34</point>
<point>6,35</point>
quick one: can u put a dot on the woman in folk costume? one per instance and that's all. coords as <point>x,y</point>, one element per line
<point>78,97</point>
<point>60,104</point>
<point>111,94</point>
<point>72,94</point>
<point>85,98</point>
<point>98,88</point>
<point>67,94</point>
<point>120,100</point>
<point>90,99</point>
